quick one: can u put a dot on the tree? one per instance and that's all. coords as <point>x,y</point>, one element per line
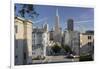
<point>56,48</point>
<point>25,10</point>
<point>67,48</point>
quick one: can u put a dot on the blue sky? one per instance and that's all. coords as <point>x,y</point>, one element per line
<point>83,17</point>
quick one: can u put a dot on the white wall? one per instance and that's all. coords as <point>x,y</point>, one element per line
<point>72,39</point>
<point>42,39</point>
<point>20,42</point>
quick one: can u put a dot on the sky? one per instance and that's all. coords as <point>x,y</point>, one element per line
<point>83,17</point>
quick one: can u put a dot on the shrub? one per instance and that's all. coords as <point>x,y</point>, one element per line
<point>56,48</point>
<point>67,48</point>
<point>39,58</point>
<point>86,58</point>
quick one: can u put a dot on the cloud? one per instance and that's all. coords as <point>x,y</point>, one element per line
<point>84,21</point>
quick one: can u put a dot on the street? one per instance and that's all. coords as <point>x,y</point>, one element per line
<point>55,59</point>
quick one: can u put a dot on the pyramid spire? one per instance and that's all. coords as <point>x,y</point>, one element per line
<point>57,12</point>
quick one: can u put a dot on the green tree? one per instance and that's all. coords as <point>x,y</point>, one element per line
<point>67,48</point>
<point>25,10</point>
<point>56,48</point>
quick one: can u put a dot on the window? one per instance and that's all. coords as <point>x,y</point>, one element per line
<point>24,55</point>
<point>89,37</point>
<point>16,57</point>
<point>16,43</point>
<point>34,35</point>
<point>33,53</point>
<point>89,43</point>
<point>16,29</point>
<point>41,53</point>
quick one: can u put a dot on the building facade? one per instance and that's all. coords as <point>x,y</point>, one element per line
<point>40,41</point>
<point>72,39</point>
<point>87,43</point>
<point>23,41</point>
<point>70,25</point>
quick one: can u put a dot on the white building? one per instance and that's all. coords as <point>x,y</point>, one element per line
<point>23,41</point>
<point>87,42</point>
<point>72,39</point>
<point>40,41</point>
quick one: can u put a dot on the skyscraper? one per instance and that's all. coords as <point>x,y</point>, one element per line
<point>57,26</point>
<point>70,24</point>
<point>57,31</point>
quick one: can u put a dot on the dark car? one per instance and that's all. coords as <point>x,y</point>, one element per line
<point>70,56</point>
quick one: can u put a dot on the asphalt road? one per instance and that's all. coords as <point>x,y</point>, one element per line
<point>55,59</point>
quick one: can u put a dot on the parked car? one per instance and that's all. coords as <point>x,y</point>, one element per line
<point>70,56</point>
